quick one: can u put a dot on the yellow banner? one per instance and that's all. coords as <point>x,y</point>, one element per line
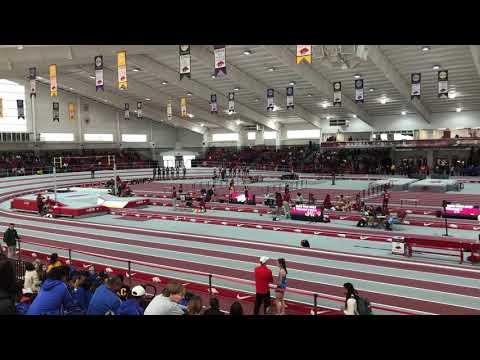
<point>53,80</point>
<point>1,108</point>
<point>122,70</point>
<point>71,111</point>
<point>183,106</point>
<point>304,53</point>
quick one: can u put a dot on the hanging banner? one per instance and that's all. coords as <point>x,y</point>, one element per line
<point>183,107</point>
<point>71,111</point>
<point>56,111</point>
<point>1,108</point>
<point>416,78</point>
<point>99,73</point>
<point>443,84</point>
<point>122,70</point>
<point>126,113</point>
<point>220,60</point>
<point>20,110</point>
<point>32,76</point>
<point>139,110</point>
<point>304,53</point>
<point>337,93</point>
<point>290,98</point>
<point>359,91</point>
<point>213,104</point>
<point>53,80</point>
<point>270,104</point>
<point>185,60</point>
<point>169,109</point>
<point>231,103</point>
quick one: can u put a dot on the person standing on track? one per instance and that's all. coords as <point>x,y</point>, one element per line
<point>174,198</point>
<point>386,198</point>
<point>154,172</point>
<point>10,237</point>
<point>40,204</point>
<point>92,171</point>
<point>184,170</point>
<point>263,278</point>
<point>281,286</point>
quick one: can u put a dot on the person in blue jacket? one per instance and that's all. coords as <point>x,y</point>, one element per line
<point>133,305</point>
<point>105,300</point>
<point>81,292</point>
<point>54,297</point>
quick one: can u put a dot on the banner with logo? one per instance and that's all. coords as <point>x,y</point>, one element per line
<point>270,102</point>
<point>213,104</point>
<point>359,96</point>
<point>220,60</point>
<point>99,73</point>
<point>122,70</point>
<point>56,111</point>
<point>185,60</point>
<point>304,53</point>
<point>126,112</point>
<point>183,107</point>
<point>139,109</point>
<point>290,98</point>
<point>71,111</point>
<point>20,109</point>
<point>53,80</point>
<point>416,78</point>
<point>231,103</point>
<point>169,109</point>
<point>1,108</point>
<point>443,84</point>
<point>32,76</point>
<point>337,93</point>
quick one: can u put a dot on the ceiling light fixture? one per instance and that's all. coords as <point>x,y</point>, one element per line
<point>271,69</point>
<point>248,52</point>
<point>328,117</point>
<point>257,100</point>
<point>236,89</point>
<point>213,76</point>
<point>189,94</point>
<point>354,116</point>
<point>371,89</point>
<point>436,67</point>
<point>458,109</point>
<point>452,94</point>
<point>309,95</point>
<point>238,122</point>
<point>292,83</point>
<point>383,100</point>
<point>91,77</point>
<point>191,116</point>
<point>425,48</point>
<point>357,76</point>
<point>164,82</point>
<point>147,99</point>
<point>136,69</point>
<point>325,105</point>
<point>202,124</point>
<point>404,112</point>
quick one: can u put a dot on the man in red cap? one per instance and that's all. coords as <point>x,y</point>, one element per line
<point>263,278</point>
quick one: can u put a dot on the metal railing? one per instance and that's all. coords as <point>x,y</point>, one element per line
<point>209,277</point>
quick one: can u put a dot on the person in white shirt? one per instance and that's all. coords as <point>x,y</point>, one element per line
<point>167,302</point>
<point>351,295</point>
<point>32,280</point>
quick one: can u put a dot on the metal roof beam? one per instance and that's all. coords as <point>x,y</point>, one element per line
<point>205,56</point>
<point>200,90</point>
<point>307,72</point>
<point>393,75</point>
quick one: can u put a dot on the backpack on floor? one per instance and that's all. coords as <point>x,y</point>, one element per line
<point>363,306</point>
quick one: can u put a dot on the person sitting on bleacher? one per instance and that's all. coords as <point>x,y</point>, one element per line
<point>167,302</point>
<point>133,304</point>
<point>54,297</point>
<point>24,302</point>
<point>105,300</point>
